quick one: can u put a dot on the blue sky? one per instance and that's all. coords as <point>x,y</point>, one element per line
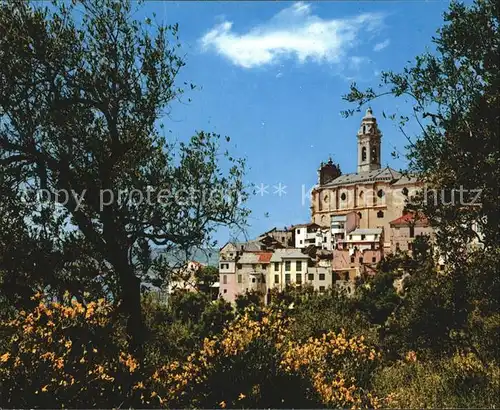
<point>271,75</point>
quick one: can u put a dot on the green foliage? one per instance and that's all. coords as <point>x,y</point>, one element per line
<point>377,297</point>
<point>216,317</point>
<point>424,318</point>
<point>178,327</point>
<point>206,276</point>
<point>248,299</point>
<point>457,382</point>
<point>318,313</point>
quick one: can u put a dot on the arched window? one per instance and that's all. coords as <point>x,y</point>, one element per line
<point>380,214</point>
<point>361,194</point>
<point>363,154</point>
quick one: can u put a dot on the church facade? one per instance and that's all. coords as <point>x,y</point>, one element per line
<point>376,194</point>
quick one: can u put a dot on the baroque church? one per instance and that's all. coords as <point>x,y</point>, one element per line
<point>376,194</point>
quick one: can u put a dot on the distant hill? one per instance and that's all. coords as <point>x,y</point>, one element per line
<point>206,256</point>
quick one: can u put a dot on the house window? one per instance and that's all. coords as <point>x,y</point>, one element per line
<point>380,214</point>
<point>287,266</point>
<point>321,289</point>
<point>298,278</point>
<point>298,266</point>
<point>374,259</point>
<point>287,278</point>
<point>412,231</point>
<point>298,231</point>
<point>321,276</point>
<point>324,239</point>
<point>310,276</point>
<point>276,266</point>
<point>363,237</point>
<point>352,259</point>
<point>360,260</point>
<point>397,246</point>
<point>264,266</point>
<point>410,246</point>
<point>240,279</point>
<point>253,280</point>
<point>225,290</point>
<point>301,241</point>
<point>276,278</point>
<point>224,279</point>
<point>239,265</point>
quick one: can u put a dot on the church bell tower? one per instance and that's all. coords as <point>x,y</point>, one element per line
<point>368,143</point>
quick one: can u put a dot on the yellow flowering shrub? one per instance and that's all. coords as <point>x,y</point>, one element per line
<point>334,364</point>
<point>256,363</point>
<point>64,354</point>
<point>68,354</point>
<point>205,377</point>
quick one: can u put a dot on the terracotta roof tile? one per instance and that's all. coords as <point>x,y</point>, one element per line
<point>409,218</point>
<point>265,257</point>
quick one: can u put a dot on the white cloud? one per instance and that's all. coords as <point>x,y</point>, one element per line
<point>294,32</point>
<point>382,45</point>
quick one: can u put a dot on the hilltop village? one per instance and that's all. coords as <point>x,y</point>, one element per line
<point>356,219</point>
